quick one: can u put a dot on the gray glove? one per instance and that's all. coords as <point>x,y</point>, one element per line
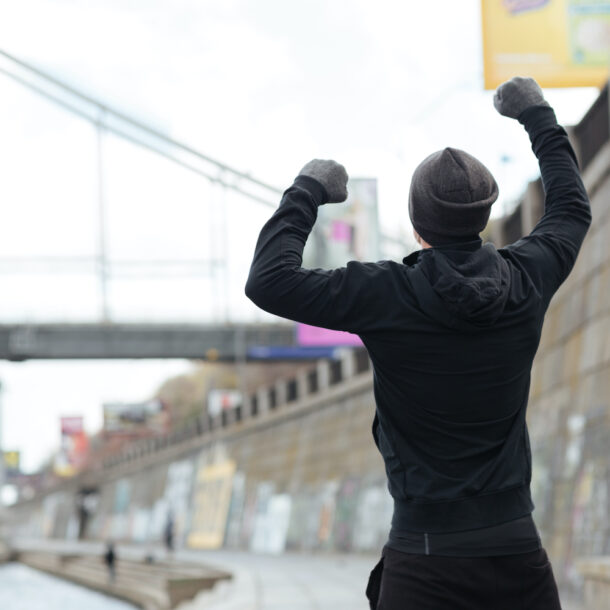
<point>516,95</point>
<point>331,175</point>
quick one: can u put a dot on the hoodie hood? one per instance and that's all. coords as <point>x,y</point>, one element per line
<point>462,285</point>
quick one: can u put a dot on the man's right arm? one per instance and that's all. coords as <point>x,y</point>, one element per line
<point>549,252</point>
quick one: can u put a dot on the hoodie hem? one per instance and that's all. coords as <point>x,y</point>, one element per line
<point>464,514</point>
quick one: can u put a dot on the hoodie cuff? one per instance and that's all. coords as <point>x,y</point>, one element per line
<point>313,187</point>
<point>537,118</point>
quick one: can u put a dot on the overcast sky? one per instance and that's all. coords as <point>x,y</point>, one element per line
<point>262,85</point>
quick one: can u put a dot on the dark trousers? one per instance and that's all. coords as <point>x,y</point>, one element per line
<point>404,581</point>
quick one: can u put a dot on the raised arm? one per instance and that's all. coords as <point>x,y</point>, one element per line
<point>550,251</point>
<point>339,299</point>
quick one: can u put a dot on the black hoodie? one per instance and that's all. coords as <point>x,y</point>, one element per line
<point>451,332</point>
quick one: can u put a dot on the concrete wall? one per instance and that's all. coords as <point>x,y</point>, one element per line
<point>569,403</point>
<point>302,473</point>
<point>569,408</point>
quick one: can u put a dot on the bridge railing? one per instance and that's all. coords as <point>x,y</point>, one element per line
<point>267,401</point>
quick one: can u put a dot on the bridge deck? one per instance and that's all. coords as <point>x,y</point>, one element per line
<point>192,341</point>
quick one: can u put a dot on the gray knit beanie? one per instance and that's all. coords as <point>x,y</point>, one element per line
<point>451,197</point>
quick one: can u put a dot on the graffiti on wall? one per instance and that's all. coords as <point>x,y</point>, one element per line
<point>177,496</point>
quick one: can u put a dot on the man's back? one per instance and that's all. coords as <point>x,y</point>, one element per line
<point>451,387</point>
<point>452,333</point>
<point>452,373</point>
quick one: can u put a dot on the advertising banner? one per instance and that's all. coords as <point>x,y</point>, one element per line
<point>74,447</point>
<point>11,464</point>
<point>346,231</point>
<point>223,400</point>
<point>315,336</point>
<point>129,418</point>
<point>560,43</point>
<point>211,500</point>
<point>343,232</point>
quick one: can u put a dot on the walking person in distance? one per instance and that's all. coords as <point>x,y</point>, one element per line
<point>110,561</point>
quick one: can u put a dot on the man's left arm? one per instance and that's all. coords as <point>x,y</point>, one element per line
<point>339,299</point>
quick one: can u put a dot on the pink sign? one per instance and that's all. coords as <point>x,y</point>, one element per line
<point>313,335</point>
<point>341,231</point>
<point>71,425</point>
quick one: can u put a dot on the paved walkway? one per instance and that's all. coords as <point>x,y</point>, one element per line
<point>22,588</point>
<point>295,581</point>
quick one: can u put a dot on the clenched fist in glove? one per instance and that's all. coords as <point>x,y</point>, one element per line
<point>331,175</point>
<point>516,95</point>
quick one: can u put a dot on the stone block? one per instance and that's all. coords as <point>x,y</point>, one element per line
<point>544,417</point>
<point>536,378</point>
<point>594,335</point>
<point>302,384</point>
<point>563,291</point>
<point>605,242</point>
<point>246,406</point>
<point>262,395</point>
<point>280,393</point>
<point>600,389</point>
<point>604,353</point>
<point>592,295</point>
<point>572,357</point>
<point>216,422</point>
<point>552,330</point>
<point>577,307</point>
<point>552,369</point>
<point>581,267</point>
<point>565,318</point>
<point>531,202</point>
<point>583,394</point>
<point>348,363</point>
<point>597,248</point>
<point>602,304</point>
<point>595,572</point>
<point>600,203</point>
<point>323,367</point>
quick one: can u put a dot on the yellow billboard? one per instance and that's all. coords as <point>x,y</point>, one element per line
<point>560,43</point>
<point>12,460</point>
<point>211,500</point>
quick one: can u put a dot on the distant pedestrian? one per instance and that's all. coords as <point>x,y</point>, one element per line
<point>110,561</point>
<point>168,533</point>
<point>452,331</point>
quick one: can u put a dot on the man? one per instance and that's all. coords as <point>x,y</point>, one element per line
<point>110,561</point>
<point>452,333</point>
<point>168,533</point>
